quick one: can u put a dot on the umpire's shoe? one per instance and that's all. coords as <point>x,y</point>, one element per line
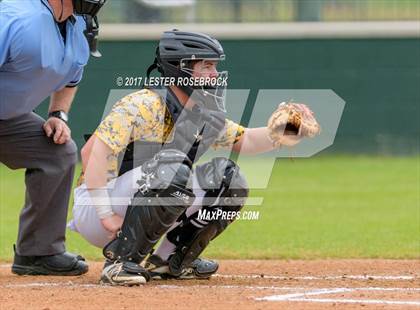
<point>200,268</point>
<point>65,264</point>
<point>124,274</point>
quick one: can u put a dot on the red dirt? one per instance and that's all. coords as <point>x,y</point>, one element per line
<point>237,286</point>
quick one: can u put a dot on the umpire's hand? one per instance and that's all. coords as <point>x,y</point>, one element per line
<point>58,130</point>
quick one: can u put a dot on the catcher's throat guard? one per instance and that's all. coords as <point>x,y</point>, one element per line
<point>89,10</point>
<point>162,197</point>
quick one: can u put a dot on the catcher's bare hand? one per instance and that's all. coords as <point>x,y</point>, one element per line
<point>290,123</point>
<point>113,224</point>
<point>57,129</point>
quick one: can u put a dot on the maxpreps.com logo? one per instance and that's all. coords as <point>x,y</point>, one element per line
<point>180,195</point>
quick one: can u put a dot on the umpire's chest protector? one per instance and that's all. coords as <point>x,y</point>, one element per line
<point>193,133</point>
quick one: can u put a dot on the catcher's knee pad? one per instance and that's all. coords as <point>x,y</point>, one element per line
<point>162,197</point>
<point>223,182</point>
<point>226,193</point>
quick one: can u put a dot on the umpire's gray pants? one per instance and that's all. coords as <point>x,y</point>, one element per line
<point>48,178</point>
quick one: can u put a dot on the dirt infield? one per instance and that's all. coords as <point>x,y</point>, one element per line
<point>245,284</point>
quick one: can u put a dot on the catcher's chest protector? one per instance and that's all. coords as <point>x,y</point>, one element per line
<point>193,133</point>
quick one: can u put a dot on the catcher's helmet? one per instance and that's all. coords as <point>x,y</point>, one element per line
<point>174,55</point>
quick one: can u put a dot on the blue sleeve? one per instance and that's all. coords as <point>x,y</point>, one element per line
<point>5,39</point>
<point>77,78</point>
<point>83,49</point>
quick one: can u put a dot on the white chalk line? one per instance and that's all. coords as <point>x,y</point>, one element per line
<point>302,297</point>
<point>160,286</point>
<point>357,301</point>
<point>317,278</point>
<point>292,288</point>
<point>51,284</point>
<point>250,287</point>
<point>292,296</point>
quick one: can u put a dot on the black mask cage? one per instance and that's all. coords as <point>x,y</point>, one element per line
<point>88,9</point>
<point>211,91</point>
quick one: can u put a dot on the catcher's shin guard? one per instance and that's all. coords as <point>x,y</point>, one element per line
<point>163,196</point>
<point>192,242</point>
<point>227,190</point>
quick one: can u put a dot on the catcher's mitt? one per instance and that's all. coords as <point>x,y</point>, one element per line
<point>293,119</point>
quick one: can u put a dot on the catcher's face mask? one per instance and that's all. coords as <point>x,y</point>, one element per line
<point>89,9</point>
<point>209,89</point>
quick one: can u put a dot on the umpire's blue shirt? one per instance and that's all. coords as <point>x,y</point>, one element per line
<point>34,59</point>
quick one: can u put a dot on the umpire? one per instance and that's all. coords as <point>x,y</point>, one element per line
<point>43,50</point>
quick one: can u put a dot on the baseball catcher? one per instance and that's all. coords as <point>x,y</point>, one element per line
<point>140,183</point>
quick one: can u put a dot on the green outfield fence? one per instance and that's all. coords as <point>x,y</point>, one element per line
<point>258,11</point>
<point>374,67</point>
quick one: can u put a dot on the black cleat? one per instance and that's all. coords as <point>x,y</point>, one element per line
<point>65,264</point>
<point>124,274</point>
<point>200,268</point>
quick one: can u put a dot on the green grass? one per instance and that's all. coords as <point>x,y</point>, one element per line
<point>326,207</point>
